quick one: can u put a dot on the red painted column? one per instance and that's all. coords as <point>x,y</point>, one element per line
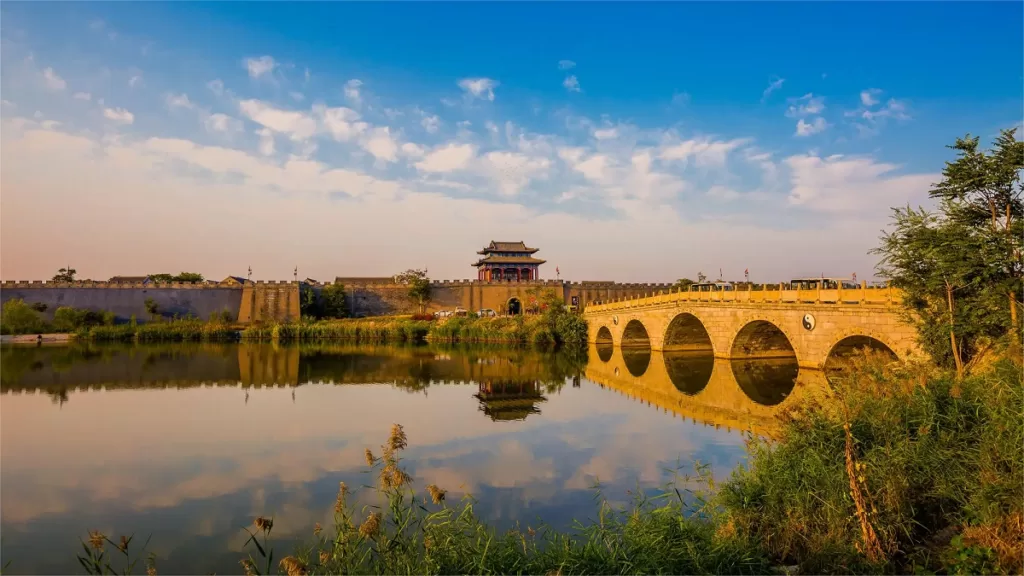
<point>519,275</point>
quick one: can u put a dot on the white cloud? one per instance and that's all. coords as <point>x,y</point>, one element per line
<point>606,134</point>
<point>119,115</point>
<point>566,64</point>
<point>773,85</point>
<point>594,168</point>
<point>571,155</point>
<point>382,145</point>
<point>571,84</point>
<point>895,109</point>
<point>222,123</point>
<point>449,158</point>
<point>680,99</point>
<point>52,80</point>
<point>431,124</point>
<point>259,67</point>
<point>135,81</point>
<point>342,123</point>
<point>216,86</point>
<point>412,150</point>
<point>297,96</point>
<point>512,171</point>
<point>352,91</point>
<point>840,184</point>
<point>266,141</point>
<point>179,101</point>
<point>704,151</point>
<point>806,105</point>
<point>82,96</point>
<point>297,125</point>
<point>869,97</point>
<point>815,126</point>
<point>482,88</point>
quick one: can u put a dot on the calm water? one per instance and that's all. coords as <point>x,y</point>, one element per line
<point>188,443</point>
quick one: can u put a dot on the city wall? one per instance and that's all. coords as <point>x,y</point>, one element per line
<point>382,296</point>
<point>280,301</point>
<point>251,302</point>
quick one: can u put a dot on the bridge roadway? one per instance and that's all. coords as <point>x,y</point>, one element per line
<point>812,325</point>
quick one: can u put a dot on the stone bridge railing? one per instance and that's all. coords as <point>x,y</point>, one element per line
<point>863,295</point>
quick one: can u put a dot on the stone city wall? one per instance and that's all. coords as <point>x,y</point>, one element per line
<point>280,301</point>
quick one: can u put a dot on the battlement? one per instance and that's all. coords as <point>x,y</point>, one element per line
<point>12,284</point>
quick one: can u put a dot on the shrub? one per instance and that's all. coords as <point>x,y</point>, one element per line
<point>426,317</point>
<point>17,317</point>
<point>68,319</point>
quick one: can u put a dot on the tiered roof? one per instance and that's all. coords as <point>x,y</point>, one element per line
<point>508,253</point>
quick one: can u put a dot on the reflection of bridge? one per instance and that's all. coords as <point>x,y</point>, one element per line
<point>811,325</point>
<point>738,394</point>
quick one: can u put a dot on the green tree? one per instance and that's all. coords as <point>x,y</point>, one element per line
<point>332,301</point>
<point>701,277</point>
<point>982,191</point>
<point>418,285</point>
<point>683,283</point>
<point>17,317</point>
<point>942,266</point>
<point>152,308</point>
<point>65,275</point>
<point>181,277</point>
<point>309,304</point>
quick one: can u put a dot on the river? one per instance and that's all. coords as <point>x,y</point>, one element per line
<point>185,444</point>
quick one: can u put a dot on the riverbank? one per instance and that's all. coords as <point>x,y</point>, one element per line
<point>903,469</point>
<point>542,329</point>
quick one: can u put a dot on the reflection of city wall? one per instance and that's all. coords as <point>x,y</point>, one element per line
<point>184,365</point>
<point>721,402</point>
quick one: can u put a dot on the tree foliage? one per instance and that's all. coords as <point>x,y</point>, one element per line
<point>332,301</point>
<point>17,317</point>
<point>960,267</point>
<point>181,277</point>
<point>684,283</point>
<point>418,284</point>
<point>65,275</point>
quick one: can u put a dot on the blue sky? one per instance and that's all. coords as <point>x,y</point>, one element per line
<point>636,142</point>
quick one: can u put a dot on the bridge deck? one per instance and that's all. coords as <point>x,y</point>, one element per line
<point>852,296</point>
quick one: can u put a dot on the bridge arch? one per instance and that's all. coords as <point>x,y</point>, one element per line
<point>635,335</point>
<point>762,338</point>
<point>604,344</point>
<point>846,347</point>
<point>687,332</point>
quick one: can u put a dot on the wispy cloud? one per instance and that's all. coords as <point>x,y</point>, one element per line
<point>571,84</point>
<point>806,105</point>
<point>135,81</point>
<point>869,97</point>
<point>566,64</point>
<point>119,115</point>
<point>352,92</point>
<point>179,101</point>
<point>815,126</point>
<point>260,67</point>
<point>482,88</point>
<point>774,84</point>
<point>53,80</point>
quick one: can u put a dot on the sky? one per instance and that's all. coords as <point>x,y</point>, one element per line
<point>628,142</point>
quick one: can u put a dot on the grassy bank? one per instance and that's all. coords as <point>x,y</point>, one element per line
<point>169,331</point>
<point>902,470</point>
<point>539,329</point>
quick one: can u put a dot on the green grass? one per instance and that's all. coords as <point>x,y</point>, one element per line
<point>188,330</point>
<point>544,329</point>
<point>937,486</point>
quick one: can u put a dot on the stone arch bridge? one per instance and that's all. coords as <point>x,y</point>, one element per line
<point>811,325</point>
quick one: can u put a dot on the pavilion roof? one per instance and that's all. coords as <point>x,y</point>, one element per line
<point>509,260</point>
<point>507,247</point>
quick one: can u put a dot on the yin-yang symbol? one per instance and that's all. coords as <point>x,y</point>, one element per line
<point>808,322</point>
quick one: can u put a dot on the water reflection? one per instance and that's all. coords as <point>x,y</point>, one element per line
<point>189,442</point>
<point>689,372</point>
<point>637,360</point>
<point>767,381</point>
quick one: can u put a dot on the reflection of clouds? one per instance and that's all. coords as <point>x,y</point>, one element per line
<point>195,465</point>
